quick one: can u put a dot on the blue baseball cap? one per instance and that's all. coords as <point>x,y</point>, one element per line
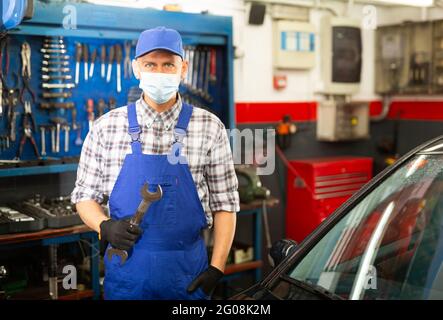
<point>159,38</point>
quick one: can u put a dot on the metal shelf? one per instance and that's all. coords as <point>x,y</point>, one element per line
<point>36,170</point>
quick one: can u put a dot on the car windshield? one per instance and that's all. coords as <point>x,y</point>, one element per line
<point>388,246</point>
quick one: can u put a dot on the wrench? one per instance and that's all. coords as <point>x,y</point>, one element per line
<point>43,138</point>
<point>147,199</point>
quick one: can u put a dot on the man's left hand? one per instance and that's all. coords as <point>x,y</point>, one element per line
<point>207,280</point>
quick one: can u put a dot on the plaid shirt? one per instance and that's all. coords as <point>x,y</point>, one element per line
<point>206,148</point>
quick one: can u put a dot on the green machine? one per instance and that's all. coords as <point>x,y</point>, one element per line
<point>249,185</point>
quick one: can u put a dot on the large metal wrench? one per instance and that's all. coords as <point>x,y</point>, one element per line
<point>147,199</point>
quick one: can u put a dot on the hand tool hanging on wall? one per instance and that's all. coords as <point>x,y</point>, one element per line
<point>51,63</point>
<point>78,141</point>
<point>85,60</point>
<point>213,73</point>
<point>59,51</point>
<point>101,105</point>
<point>200,80</point>
<point>78,56</point>
<point>55,95</point>
<point>76,127</point>
<point>147,199</point>
<point>127,65</point>
<point>56,58</point>
<point>53,40</point>
<point>190,68</point>
<point>195,71</point>
<point>57,105</point>
<point>90,111</point>
<point>110,62</point>
<point>59,122</point>
<point>91,67</point>
<point>49,45</point>
<point>3,52</point>
<point>1,97</point>
<point>58,85</point>
<point>4,143</point>
<point>55,69</point>
<point>12,93</point>
<point>206,95</point>
<point>26,72</point>
<point>118,60</point>
<point>56,77</point>
<point>43,139</point>
<point>53,139</point>
<point>27,135</point>
<point>112,103</point>
<point>67,129</point>
<point>102,60</point>
<point>28,114</point>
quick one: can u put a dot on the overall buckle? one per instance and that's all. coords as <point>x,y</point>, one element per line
<point>134,132</point>
<point>179,135</point>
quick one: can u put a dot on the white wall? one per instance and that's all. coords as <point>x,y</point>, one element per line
<point>254,71</point>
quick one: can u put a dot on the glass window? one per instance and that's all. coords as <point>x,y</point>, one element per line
<point>388,246</point>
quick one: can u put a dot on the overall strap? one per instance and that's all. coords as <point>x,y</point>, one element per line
<point>183,118</point>
<point>134,129</point>
<point>180,133</point>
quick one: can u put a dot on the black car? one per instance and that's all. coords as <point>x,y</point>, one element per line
<point>385,242</point>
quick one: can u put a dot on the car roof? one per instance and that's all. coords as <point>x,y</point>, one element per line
<point>435,148</point>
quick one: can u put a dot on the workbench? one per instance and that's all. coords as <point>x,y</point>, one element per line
<point>53,237</point>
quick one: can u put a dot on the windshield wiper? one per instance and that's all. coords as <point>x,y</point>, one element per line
<point>313,288</point>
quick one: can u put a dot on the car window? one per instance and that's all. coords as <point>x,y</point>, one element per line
<point>388,246</point>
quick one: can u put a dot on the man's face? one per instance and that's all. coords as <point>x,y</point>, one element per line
<point>161,61</point>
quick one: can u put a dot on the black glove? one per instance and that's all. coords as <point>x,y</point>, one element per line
<point>120,233</point>
<point>207,280</point>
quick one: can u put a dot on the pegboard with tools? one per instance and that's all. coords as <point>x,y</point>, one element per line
<point>56,83</point>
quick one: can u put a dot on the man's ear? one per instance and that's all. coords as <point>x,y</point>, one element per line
<point>135,69</point>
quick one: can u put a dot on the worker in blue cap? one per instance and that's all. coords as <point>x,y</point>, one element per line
<point>162,141</point>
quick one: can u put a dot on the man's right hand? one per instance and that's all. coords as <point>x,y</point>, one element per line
<point>120,233</point>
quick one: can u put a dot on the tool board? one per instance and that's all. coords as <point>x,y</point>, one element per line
<point>215,42</point>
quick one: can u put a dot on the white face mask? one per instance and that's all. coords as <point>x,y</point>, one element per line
<point>160,87</point>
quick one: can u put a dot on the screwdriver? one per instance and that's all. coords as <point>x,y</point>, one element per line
<point>103,60</point>
<point>90,110</point>
<point>118,60</point>
<point>93,57</point>
<point>110,62</point>
<point>85,60</point>
<point>78,55</point>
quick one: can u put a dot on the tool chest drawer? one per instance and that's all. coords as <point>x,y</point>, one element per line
<point>321,186</point>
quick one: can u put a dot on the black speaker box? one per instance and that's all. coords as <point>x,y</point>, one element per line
<point>257,13</point>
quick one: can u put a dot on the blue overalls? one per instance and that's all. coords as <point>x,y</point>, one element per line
<point>171,251</point>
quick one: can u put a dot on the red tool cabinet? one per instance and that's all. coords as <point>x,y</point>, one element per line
<point>330,182</point>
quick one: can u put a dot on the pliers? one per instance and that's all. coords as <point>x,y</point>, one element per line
<point>26,71</point>
<point>27,134</point>
<point>28,113</point>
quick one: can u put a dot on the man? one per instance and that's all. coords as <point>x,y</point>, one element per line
<point>146,142</point>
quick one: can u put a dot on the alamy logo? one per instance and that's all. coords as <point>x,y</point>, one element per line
<point>70,18</point>
<point>369,21</point>
<point>371,279</point>
<point>70,280</point>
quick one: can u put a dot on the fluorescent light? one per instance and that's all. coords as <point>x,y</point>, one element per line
<point>414,3</point>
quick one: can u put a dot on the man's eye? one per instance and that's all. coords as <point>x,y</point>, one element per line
<point>169,65</point>
<point>149,65</point>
